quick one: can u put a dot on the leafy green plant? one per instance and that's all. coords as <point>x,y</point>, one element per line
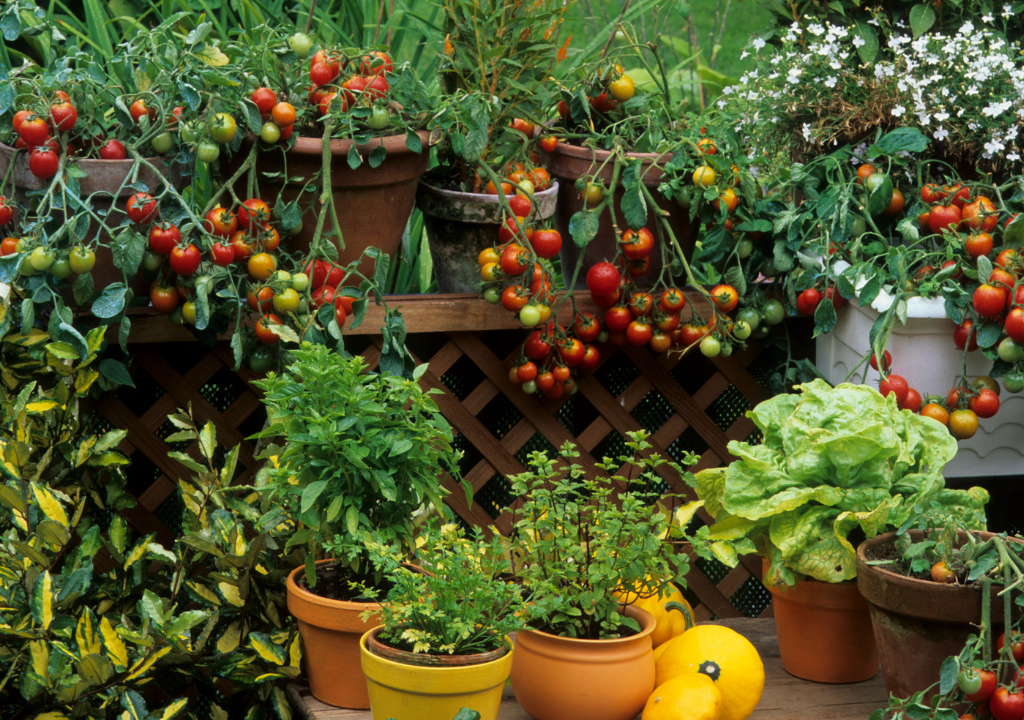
<point>462,604</point>
<point>362,452</point>
<point>581,542</point>
<point>833,461</point>
<point>98,621</point>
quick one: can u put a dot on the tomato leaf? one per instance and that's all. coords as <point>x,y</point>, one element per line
<point>110,302</point>
<point>904,139</point>
<point>950,668</point>
<point>634,206</point>
<point>717,242</point>
<point>354,158</point>
<point>989,334</point>
<point>378,155</point>
<point>824,317</point>
<point>583,227</point>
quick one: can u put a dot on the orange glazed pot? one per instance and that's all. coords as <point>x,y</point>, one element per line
<point>825,632</point>
<point>331,630</point>
<point>559,678</point>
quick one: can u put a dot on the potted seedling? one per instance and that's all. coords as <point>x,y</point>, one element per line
<point>581,543</point>
<point>362,452</point>
<point>835,464</point>
<point>443,640</point>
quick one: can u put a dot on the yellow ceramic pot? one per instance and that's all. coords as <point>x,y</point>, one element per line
<point>409,692</point>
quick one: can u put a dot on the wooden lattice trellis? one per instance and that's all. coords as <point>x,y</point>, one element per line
<point>469,349</point>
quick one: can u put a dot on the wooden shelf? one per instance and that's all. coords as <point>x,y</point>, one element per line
<point>785,697</point>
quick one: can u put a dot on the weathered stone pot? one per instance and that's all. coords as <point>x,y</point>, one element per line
<point>917,623</point>
<point>569,163</point>
<point>460,225</point>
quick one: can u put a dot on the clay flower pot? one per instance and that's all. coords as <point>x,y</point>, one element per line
<point>408,686</point>
<point>104,177</point>
<point>460,225</point>
<point>558,678</point>
<point>917,623</point>
<point>331,632</point>
<point>570,162</point>
<point>824,632</point>
<point>372,204</point>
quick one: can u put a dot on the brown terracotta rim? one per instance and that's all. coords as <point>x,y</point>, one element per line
<point>585,153</point>
<point>405,657</point>
<point>645,619</point>
<point>392,143</point>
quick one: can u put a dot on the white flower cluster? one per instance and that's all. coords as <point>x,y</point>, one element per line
<point>966,88</point>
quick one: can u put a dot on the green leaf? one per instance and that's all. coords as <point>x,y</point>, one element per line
<point>989,334</point>
<point>869,50</point>
<point>949,670</point>
<point>110,302</point>
<point>135,706</point>
<point>10,23</point>
<point>583,227</point>
<point>311,493</point>
<point>903,139</point>
<point>251,115</point>
<point>378,155</point>
<point>354,158</point>
<point>116,372</point>
<point>880,197</point>
<point>634,205</point>
<point>267,649</point>
<point>42,600</point>
<point>922,17</point>
<point>352,519</point>
<point>186,621</point>
<point>413,142</point>
<point>95,669</point>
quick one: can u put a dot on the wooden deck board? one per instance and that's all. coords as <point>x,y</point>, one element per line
<point>785,697</point>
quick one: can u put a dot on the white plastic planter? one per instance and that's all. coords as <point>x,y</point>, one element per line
<point>923,352</point>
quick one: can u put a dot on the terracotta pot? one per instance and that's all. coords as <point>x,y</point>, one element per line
<point>460,225</point>
<point>558,678</point>
<point>414,691</point>
<point>104,177</point>
<point>918,623</point>
<point>570,162</point>
<point>372,204</point>
<point>331,632</point>
<point>824,632</point>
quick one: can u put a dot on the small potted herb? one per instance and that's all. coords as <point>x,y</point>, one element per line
<point>836,465</point>
<point>580,544</point>
<point>443,643</point>
<point>362,453</point>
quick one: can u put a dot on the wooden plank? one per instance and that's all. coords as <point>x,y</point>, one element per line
<point>785,697</point>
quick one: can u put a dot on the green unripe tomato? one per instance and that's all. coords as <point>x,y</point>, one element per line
<point>743,248</point>
<point>529,315</point>
<point>300,281</point>
<point>61,268</point>
<point>207,152</point>
<point>25,266</point>
<point>270,133</point>
<point>301,44</point>
<point>860,225</point>
<point>260,360</point>
<point>772,313</point>
<point>1010,351</point>
<point>741,330</point>
<point>726,350</point>
<point>530,387</point>
<point>683,198</point>
<point>710,346</point>
<point>151,260</point>
<point>188,133</point>
<point>761,333</point>
<point>82,259</point>
<point>874,181</point>
<point>1013,381</point>
<point>527,187</point>
<point>163,143</point>
<point>750,316</point>
<point>379,118</point>
<point>969,681</point>
<point>41,258</point>
<point>492,295</point>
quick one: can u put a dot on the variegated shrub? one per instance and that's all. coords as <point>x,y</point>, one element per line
<point>98,622</point>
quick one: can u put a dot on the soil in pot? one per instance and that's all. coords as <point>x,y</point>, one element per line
<point>824,632</point>
<point>558,678</point>
<point>460,225</point>
<point>400,689</point>
<point>917,623</point>
<point>569,163</point>
<point>372,204</point>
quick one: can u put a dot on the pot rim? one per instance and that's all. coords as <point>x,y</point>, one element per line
<point>305,145</point>
<point>585,153</point>
<point>863,564</point>
<point>373,646</point>
<point>646,620</point>
<point>481,198</point>
<point>307,596</point>
<point>99,162</point>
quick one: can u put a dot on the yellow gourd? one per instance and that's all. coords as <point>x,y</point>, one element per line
<point>688,697</point>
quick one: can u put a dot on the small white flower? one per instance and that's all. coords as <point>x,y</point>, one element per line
<point>858,41</point>
<point>898,110</point>
<point>744,55</point>
<point>942,116</point>
<point>830,82</point>
<point>987,19</point>
<point>807,131</point>
<point>758,43</point>
<point>940,134</point>
<point>1013,157</point>
<point>994,146</point>
<point>816,29</point>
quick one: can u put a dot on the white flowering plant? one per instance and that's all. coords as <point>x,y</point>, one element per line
<point>824,85</point>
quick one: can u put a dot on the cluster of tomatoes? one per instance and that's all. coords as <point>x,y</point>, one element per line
<point>959,410</point>
<point>511,270</point>
<point>607,88</point>
<point>36,133</point>
<point>366,85</point>
<point>982,687</point>
<point>517,177</point>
